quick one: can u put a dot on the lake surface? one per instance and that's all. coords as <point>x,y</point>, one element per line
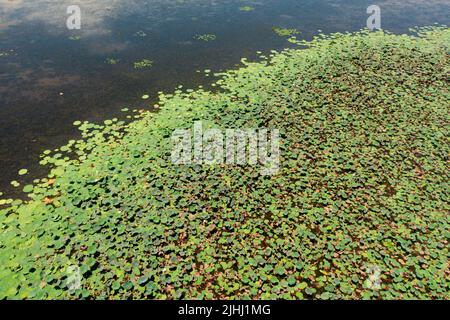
<point>51,76</point>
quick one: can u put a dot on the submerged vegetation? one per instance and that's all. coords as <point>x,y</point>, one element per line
<point>143,64</point>
<point>75,38</point>
<point>112,61</point>
<point>140,34</point>
<point>362,189</point>
<point>205,37</point>
<point>246,8</point>
<point>283,32</point>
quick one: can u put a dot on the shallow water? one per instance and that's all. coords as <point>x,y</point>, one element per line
<point>51,76</point>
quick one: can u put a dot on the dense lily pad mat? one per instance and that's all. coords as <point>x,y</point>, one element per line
<point>363,185</point>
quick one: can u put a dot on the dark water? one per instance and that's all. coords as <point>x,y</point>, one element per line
<point>39,60</point>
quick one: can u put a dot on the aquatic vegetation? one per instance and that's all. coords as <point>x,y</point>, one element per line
<point>15,183</point>
<point>140,34</point>
<point>358,210</point>
<point>22,172</point>
<point>246,8</point>
<point>112,61</point>
<point>205,37</point>
<point>145,96</point>
<point>283,32</point>
<point>75,38</point>
<point>28,188</point>
<point>143,64</point>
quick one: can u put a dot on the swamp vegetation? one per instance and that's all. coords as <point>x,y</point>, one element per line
<point>363,183</point>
